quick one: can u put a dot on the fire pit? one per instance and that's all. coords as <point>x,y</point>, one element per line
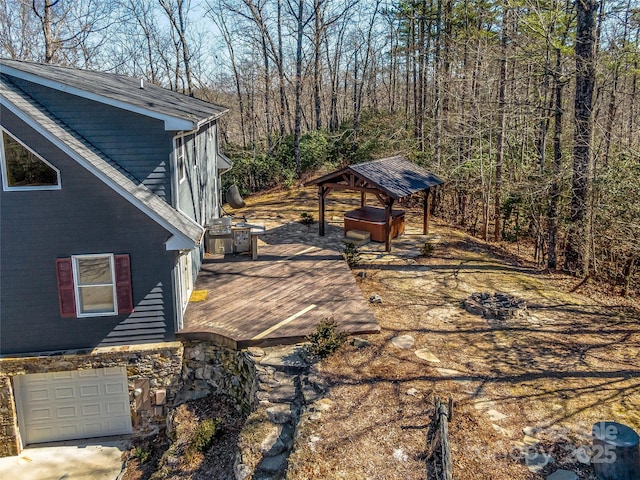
<point>495,306</point>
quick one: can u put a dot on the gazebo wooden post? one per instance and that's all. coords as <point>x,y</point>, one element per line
<point>427,212</point>
<point>363,198</point>
<point>388,206</point>
<point>321,194</point>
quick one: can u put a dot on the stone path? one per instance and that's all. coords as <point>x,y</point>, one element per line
<point>287,386</point>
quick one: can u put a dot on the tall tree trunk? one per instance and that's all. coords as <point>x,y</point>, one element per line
<point>298,105</point>
<point>317,46</point>
<point>437,105</point>
<point>50,42</point>
<point>359,86</point>
<point>236,74</point>
<point>280,64</point>
<point>631,131</point>
<point>577,257</point>
<point>612,108</point>
<point>497,202</point>
<point>267,92</point>
<point>422,69</point>
<point>556,184</point>
<point>445,71</point>
<point>186,56</point>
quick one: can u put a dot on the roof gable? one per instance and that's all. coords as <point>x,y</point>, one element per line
<point>178,111</point>
<point>186,232</point>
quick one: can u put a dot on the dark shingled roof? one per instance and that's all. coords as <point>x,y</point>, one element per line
<point>117,89</point>
<point>395,176</point>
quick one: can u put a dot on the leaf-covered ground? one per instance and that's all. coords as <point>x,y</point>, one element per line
<point>572,361</point>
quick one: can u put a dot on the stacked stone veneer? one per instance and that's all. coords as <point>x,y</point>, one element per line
<point>209,368</point>
<point>153,373</point>
<point>160,376</point>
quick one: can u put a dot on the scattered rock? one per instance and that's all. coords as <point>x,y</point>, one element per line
<point>312,442</point>
<point>283,394</point>
<point>484,404</point>
<point>242,471</point>
<point>310,394</point>
<point>255,352</point>
<point>375,298</point>
<point>530,431</point>
<point>360,343</point>
<point>495,415</point>
<point>279,413</point>
<point>403,341</point>
<point>274,465</point>
<point>446,372</point>
<point>399,455</point>
<point>537,461</point>
<point>412,391</point>
<point>530,440</point>
<point>503,431</point>
<point>562,475</point>
<point>272,445</point>
<point>520,447</point>
<point>425,354</point>
<point>323,405</point>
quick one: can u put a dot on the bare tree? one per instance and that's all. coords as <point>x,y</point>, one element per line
<point>577,254</point>
<point>18,30</point>
<point>177,14</point>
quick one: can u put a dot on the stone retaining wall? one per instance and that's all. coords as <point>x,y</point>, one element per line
<point>153,373</point>
<point>209,368</point>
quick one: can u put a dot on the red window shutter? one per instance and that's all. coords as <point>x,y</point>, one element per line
<point>66,291</point>
<point>123,284</point>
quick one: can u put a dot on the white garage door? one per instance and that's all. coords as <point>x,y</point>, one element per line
<point>67,405</point>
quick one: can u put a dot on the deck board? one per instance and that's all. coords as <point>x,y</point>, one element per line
<point>245,297</point>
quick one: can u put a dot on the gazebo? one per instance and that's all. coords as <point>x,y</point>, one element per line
<point>390,180</point>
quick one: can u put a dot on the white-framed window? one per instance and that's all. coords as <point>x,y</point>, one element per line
<point>23,169</point>
<point>95,285</point>
<point>181,165</point>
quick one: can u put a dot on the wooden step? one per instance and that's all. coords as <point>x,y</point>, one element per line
<point>358,235</point>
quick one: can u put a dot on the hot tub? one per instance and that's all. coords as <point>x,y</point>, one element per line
<point>371,219</point>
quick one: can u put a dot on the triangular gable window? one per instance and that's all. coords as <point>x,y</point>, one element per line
<point>23,169</point>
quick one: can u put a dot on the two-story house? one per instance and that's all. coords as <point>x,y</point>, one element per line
<point>107,183</point>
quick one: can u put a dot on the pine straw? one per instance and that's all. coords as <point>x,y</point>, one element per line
<point>575,363</point>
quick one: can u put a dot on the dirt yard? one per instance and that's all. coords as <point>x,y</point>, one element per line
<point>571,361</point>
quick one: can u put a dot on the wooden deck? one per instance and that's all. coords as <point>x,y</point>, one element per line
<point>277,299</point>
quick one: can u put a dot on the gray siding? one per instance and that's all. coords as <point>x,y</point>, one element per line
<point>198,193</point>
<point>137,143</point>
<point>84,217</point>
